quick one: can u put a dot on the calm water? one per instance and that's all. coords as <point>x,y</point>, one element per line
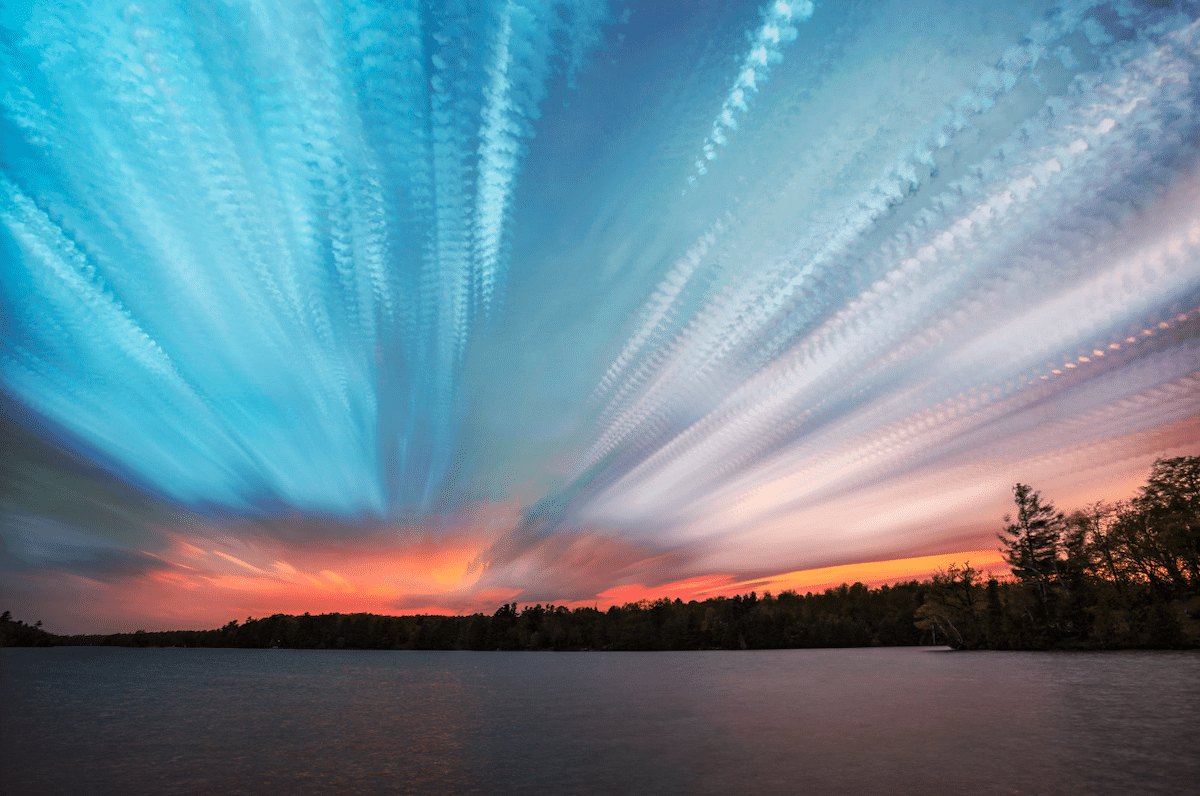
<point>888,721</point>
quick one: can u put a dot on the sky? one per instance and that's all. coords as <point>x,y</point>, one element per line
<point>433,306</point>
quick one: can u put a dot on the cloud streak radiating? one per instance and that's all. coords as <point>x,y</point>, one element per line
<point>766,46</point>
<point>847,357</point>
<point>272,225</point>
<point>424,305</point>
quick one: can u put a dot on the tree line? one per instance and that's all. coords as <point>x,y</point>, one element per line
<point>1111,576</point>
<point>846,616</point>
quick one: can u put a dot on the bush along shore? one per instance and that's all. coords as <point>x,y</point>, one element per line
<point>1111,576</point>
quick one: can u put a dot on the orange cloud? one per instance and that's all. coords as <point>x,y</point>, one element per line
<point>373,582</point>
<point>239,562</point>
<point>232,570</point>
<point>491,555</point>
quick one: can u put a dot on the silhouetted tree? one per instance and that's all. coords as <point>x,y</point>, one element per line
<point>1031,539</point>
<point>956,605</point>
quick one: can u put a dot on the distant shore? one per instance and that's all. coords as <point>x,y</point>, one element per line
<point>846,616</point>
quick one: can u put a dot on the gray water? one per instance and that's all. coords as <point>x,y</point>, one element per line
<point>870,721</point>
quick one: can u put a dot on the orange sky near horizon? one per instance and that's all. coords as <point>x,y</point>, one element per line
<point>206,575</point>
<point>188,597</point>
<point>869,573</point>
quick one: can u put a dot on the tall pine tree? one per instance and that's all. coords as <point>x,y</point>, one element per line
<point>1032,540</point>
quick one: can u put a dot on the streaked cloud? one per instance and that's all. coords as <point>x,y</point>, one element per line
<point>765,48</point>
<point>408,306</point>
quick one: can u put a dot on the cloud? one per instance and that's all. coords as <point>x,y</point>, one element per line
<point>979,284</point>
<point>765,48</point>
<point>404,308</point>
<point>333,248</point>
<point>37,543</point>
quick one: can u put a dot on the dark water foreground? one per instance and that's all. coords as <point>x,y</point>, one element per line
<point>886,721</point>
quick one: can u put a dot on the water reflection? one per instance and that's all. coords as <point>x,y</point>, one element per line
<point>887,721</point>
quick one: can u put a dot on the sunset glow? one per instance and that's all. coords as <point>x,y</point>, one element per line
<point>874,573</point>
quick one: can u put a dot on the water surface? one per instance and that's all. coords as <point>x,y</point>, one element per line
<point>874,721</point>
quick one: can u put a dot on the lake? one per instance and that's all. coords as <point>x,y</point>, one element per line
<point>79,720</point>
